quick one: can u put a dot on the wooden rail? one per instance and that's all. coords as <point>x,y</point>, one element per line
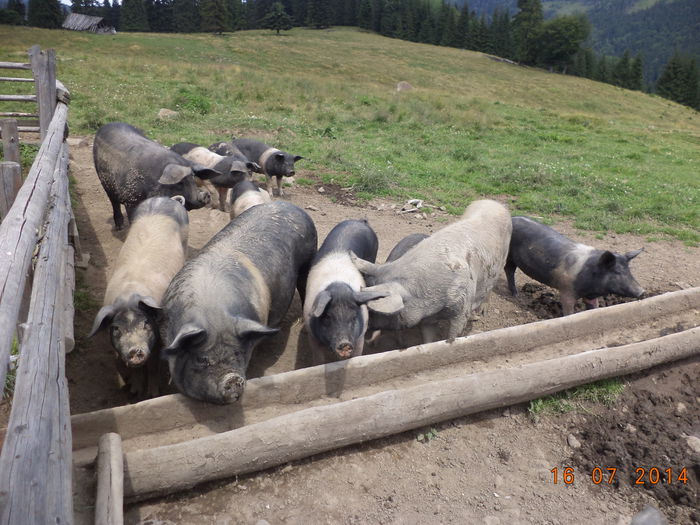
<point>36,458</point>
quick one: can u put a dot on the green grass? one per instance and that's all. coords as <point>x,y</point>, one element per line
<point>604,392</point>
<point>548,145</point>
<point>9,387</point>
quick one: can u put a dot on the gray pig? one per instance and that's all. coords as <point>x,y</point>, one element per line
<point>232,294</point>
<point>335,314</point>
<point>153,252</point>
<point>133,168</point>
<point>576,270</point>
<point>273,162</point>
<point>404,245</point>
<point>446,276</point>
<point>233,168</point>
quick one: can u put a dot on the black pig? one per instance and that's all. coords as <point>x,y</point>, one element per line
<point>575,269</point>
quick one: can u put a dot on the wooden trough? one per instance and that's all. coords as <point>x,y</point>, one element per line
<point>173,443</point>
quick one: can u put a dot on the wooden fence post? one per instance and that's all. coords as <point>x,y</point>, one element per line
<point>10,182</point>
<point>44,70</point>
<point>10,140</point>
<point>109,503</point>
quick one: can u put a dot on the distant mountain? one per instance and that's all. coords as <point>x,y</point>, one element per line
<point>654,28</point>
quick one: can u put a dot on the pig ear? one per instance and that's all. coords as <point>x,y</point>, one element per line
<point>362,265</point>
<point>297,157</point>
<point>174,173</point>
<point>189,335</point>
<point>366,296</point>
<point>390,303</point>
<point>103,318</point>
<point>631,255</point>
<point>320,303</point>
<point>205,173</point>
<point>149,305</point>
<point>607,259</point>
<point>280,156</point>
<point>178,198</point>
<point>252,330</point>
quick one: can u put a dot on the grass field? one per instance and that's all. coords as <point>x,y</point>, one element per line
<point>553,146</point>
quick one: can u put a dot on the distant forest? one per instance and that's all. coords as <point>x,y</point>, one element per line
<point>654,29</point>
<point>518,30</point>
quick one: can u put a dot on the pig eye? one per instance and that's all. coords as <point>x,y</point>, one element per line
<point>114,330</point>
<point>202,361</point>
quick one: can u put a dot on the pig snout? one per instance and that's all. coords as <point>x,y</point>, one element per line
<point>344,349</point>
<point>136,356</point>
<point>230,388</point>
<point>204,198</point>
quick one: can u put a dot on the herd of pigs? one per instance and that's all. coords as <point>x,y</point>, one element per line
<point>204,316</point>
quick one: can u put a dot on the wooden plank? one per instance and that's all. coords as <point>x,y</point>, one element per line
<point>272,394</point>
<point>10,183</point>
<point>19,231</point>
<point>13,114</point>
<point>68,305</point>
<point>10,140</point>
<point>16,79</point>
<point>162,470</point>
<point>36,460</point>
<point>44,70</point>
<point>18,98</point>
<point>14,65</point>
<point>109,503</point>
<point>29,129</point>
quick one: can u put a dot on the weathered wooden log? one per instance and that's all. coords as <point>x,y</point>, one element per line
<point>14,65</point>
<point>10,140</point>
<point>62,93</point>
<point>162,470</point>
<point>164,414</point>
<point>19,231</point>
<point>109,503</point>
<point>36,460</point>
<point>44,70</point>
<point>68,305</point>
<point>10,183</point>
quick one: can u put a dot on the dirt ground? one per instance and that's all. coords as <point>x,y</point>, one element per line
<point>492,468</point>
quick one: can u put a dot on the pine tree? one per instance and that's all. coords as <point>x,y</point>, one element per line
<point>364,14</point>
<point>637,73</point>
<point>133,16</point>
<point>680,80</point>
<point>45,13</point>
<point>18,7</point>
<point>500,34</point>
<point>186,17</point>
<point>527,25</point>
<point>318,14</point>
<point>236,11</point>
<point>277,19</point>
<point>480,34</point>
<point>621,71</point>
<point>462,29</point>
<point>215,16</point>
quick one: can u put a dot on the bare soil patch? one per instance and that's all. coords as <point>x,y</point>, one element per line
<point>491,468</point>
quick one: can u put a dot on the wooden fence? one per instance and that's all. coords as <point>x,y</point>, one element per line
<point>37,261</point>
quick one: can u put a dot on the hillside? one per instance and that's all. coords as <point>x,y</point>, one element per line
<point>555,145</point>
<point>654,28</point>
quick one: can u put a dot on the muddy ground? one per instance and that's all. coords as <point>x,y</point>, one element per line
<point>495,467</point>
